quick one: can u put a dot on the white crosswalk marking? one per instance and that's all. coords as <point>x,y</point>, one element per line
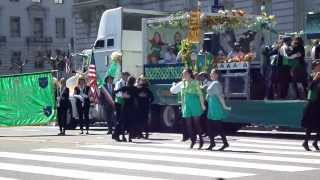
<point>162,160</point>
<point>70,173</point>
<point>193,160</point>
<point>206,153</point>
<point>3,178</point>
<point>256,149</point>
<point>126,165</point>
<point>287,143</point>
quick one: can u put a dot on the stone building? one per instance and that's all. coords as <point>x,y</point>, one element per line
<point>31,31</point>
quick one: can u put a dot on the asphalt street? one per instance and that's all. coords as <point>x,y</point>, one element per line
<point>37,153</point>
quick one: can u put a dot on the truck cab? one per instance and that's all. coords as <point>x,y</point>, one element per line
<point>120,30</point>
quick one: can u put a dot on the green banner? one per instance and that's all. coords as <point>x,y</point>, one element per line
<point>27,99</point>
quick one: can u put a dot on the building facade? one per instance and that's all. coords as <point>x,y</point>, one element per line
<point>32,31</point>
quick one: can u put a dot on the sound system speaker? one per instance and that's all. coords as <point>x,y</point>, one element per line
<point>211,42</point>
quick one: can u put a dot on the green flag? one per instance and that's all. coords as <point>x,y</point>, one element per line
<point>27,99</point>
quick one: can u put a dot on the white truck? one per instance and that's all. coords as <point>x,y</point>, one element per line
<point>119,31</point>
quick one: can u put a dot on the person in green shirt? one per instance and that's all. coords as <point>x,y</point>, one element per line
<point>216,111</point>
<point>192,105</point>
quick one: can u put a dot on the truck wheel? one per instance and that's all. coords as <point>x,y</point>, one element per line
<point>169,117</point>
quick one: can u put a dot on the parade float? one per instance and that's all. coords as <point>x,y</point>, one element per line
<point>160,45</point>
<point>201,42</point>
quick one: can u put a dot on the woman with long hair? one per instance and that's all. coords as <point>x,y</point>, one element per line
<point>192,105</point>
<point>216,111</point>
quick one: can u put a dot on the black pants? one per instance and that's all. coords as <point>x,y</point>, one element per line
<point>120,127</point>
<point>216,128</point>
<point>194,128</point>
<point>62,118</point>
<point>110,118</point>
<point>118,112</point>
<point>84,117</point>
<point>143,125</point>
<point>284,81</point>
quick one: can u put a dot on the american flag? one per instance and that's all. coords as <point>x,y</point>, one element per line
<point>92,77</point>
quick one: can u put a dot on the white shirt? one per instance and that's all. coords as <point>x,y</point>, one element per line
<point>119,84</point>
<point>176,88</point>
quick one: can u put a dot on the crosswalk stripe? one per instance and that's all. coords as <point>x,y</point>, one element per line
<point>242,148</point>
<point>205,153</point>
<point>298,144</point>
<point>127,165</point>
<point>267,146</point>
<point>4,178</point>
<point>193,160</point>
<point>240,144</point>
<point>70,173</point>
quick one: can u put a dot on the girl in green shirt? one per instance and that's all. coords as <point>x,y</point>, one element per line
<point>216,111</point>
<point>192,105</point>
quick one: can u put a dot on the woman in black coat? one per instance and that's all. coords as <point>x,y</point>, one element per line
<point>63,105</point>
<point>311,117</point>
<point>128,117</point>
<point>298,65</point>
<point>145,98</point>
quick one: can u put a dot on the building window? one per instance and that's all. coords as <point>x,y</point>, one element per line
<point>14,0</point>
<point>16,58</point>
<point>15,30</point>
<point>36,1</point>
<point>60,28</point>
<point>58,1</point>
<point>38,27</point>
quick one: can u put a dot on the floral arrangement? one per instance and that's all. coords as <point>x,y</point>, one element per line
<point>226,19</point>
<point>249,56</point>
<point>264,22</point>
<point>234,19</point>
<point>186,50</point>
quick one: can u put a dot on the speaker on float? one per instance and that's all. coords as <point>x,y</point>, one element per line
<point>211,43</point>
